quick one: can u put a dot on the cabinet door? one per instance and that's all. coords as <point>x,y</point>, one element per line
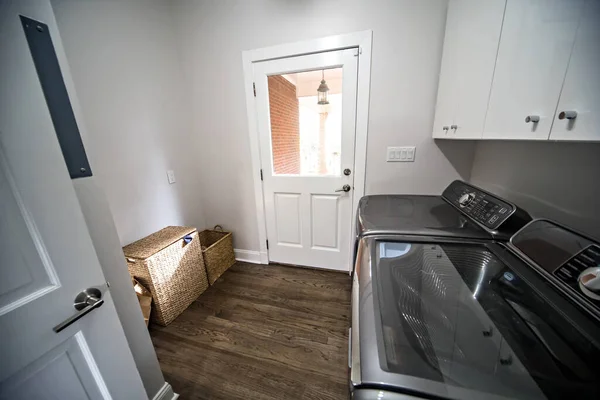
<point>446,101</point>
<point>536,43</point>
<point>581,90</point>
<point>470,46</point>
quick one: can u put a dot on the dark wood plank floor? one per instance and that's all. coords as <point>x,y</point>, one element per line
<point>261,332</point>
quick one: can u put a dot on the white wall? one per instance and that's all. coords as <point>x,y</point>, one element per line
<point>407,46</point>
<point>560,181</point>
<point>126,69</point>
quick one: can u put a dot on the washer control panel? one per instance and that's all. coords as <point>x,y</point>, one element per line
<point>481,206</point>
<point>571,258</point>
<point>581,270</point>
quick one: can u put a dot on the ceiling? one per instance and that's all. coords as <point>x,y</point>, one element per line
<point>314,76</point>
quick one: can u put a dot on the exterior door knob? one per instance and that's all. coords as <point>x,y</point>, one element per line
<point>345,188</point>
<point>567,115</point>
<point>532,118</point>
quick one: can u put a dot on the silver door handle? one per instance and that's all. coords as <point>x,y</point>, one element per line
<point>345,188</point>
<point>532,118</point>
<point>567,115</point>
<point>85,302</point>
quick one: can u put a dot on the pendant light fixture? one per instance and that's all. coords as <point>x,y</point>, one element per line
<point>322,91</point>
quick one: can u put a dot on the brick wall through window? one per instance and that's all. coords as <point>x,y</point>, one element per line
<point>285,126</point>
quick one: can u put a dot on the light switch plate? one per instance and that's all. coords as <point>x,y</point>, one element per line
<point>400,154</point>
<point>171,176</point>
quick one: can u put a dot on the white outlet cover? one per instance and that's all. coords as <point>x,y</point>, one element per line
<point>391,155</point>
<point>171,176</point>
<point>400,154</point>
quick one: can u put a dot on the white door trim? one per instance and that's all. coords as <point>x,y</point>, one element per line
<point>166,393</point>
<point>363,41</point>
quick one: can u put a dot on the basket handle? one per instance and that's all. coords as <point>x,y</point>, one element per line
<point>218,228</point>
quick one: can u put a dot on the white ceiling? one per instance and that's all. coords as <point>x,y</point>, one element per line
<point>314,76</point>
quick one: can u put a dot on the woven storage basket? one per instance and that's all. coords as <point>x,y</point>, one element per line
<point>217,249</point>
<point>170,265</point>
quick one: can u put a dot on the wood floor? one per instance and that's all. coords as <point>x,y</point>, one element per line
<point>261,332</point>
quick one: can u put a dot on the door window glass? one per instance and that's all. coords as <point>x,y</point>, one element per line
<point>306,122</point>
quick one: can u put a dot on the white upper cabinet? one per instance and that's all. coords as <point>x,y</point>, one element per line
<point>533,56</point>
<point>470,46</point>
<point>578,113</point>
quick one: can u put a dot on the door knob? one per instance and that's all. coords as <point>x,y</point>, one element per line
<point>532,118</point>
<point>567,115</point>
<point>345,188</point>
<point>85,302</point>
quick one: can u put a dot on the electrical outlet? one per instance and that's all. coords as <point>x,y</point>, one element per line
<point>400,154</point>
<point>171,176</point>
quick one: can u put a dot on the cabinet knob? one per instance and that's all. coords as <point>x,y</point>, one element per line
<point>455,127</point>
<point>445,128</point>
<point>532,118</point>
<point>567,115</point>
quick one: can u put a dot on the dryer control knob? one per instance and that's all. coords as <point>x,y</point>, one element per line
<point>466,199</point>
<point>589,282</point>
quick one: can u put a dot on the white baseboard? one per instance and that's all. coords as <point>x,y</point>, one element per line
<point>166,393</point>
<point>251,256</point>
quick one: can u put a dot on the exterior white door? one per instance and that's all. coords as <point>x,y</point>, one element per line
<point>46,254</point>
<point>307,156</point>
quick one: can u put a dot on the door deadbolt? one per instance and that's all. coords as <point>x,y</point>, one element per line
<point>347,172</point>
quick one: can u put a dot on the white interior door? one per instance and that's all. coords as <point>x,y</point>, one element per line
<point>46,254</point>
<point>307,156</point>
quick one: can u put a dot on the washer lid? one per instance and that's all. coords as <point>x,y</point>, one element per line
<point>414,215</point>
<point>469,321</point>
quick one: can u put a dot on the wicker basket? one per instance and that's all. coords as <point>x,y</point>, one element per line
<point>217,249</point>
<point>170,265</point>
